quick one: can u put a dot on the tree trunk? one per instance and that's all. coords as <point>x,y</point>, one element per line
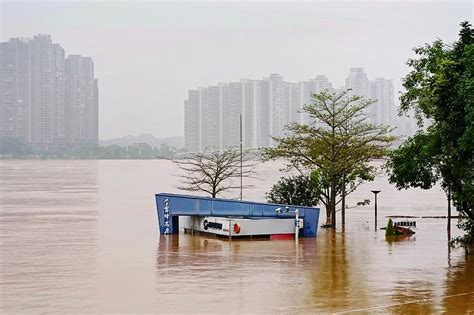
<point>214,192</point>
<point>449,208</point>
<point>328,209</point>
<point>328,217</point>
<point>343,201</point>
<point>333,202</point>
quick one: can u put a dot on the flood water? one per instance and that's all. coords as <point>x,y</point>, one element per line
<point>82,237</point>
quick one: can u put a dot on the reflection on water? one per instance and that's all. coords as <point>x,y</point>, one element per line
<point>335,273</point>
<point>82,237</point>
<point>459,281</point>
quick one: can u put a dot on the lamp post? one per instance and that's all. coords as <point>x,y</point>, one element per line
<point>375,193</point>
<point>296,212</point>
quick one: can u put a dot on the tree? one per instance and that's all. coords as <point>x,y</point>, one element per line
<point>214,172</point>
<point>294,190</point>
<point>336,147</point>
<point>440,89</point>
<point>14,147</point>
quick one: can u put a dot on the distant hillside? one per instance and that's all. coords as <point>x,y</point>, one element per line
<point>177,142</point>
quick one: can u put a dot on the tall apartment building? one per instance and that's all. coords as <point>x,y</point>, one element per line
<point>249,112</point>
<point>321,83</point>
<point>81,105</point>
<point>192,122</point>
<point>263,114</point>
<point>294,102</point>
<point>14,89</point>
<point>212,114</point>
<point>380,91</point>
<point>306,89</point>
<point>46,125</point>
<point>33,93</point>
<point>276,105</point>
<point>382,111</point>
<point>358,82</point>
<point>212,118</point>
<point>231,111</point>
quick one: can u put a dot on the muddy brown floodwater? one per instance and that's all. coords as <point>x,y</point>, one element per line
<point>82,237</point>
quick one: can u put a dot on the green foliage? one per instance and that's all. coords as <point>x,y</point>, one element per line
<point>294,190</point>
<point>412,164</point>
<point>336,147</point>
<point>10,146</point>
<point>13,147</point>
<point>390,230</point>
<point>467,225</point>
<point>440,90</point>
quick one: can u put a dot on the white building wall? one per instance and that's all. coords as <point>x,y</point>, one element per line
<point>294,98</point>
<point>276,105</point>
<point>358,82</point>
<point>263,113</point>
<point>381,112</point>
<point>306,89</point>
<point>192,121</point>
<point>266,106</point>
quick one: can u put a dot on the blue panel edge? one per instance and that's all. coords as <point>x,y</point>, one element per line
<point>170,206</point>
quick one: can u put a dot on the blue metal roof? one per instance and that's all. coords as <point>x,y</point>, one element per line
<point>170,206</point>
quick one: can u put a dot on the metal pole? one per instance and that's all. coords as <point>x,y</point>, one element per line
<point>375,211</point>
<point>375,193</point>
<point>241,159</point>
<point>297,229</point>
<point>449,208</point>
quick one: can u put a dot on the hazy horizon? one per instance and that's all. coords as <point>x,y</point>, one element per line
<point>148,54</point>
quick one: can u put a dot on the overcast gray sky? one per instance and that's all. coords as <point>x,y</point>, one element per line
<point>148,54</point>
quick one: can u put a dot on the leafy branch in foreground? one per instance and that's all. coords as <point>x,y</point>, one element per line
<point>440,89</point>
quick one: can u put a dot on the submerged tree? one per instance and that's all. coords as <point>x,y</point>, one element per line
<point>440,90</point>
<point>335,148</point>
<point>294,190</point>
<point>214,172</point>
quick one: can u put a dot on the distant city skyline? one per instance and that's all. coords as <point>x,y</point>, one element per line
<point>212,114</point>
<point>46,98</point>
<point>148,54</point>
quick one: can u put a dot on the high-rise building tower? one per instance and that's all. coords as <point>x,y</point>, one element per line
<point>231,111</point>
<point>81,107</point>
<point>321,83</point>
<point>14,89</point>
<point>306,89</point>
<point>381,112</point>
<point>47,125</point>
<point>192,121</point>
<point>276,105</point>
<point>33,94</point>
<point>263,113</point>
<point>267,106</point>
<point>211,113</point>
<point>358,82</point>
<point>249,112</point>
<point>294,102</point>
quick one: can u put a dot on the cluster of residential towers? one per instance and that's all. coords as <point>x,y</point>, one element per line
<point>47,99</point>
<point>212,114</point>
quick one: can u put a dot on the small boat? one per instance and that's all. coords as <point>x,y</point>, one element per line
<point>400,230</point>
